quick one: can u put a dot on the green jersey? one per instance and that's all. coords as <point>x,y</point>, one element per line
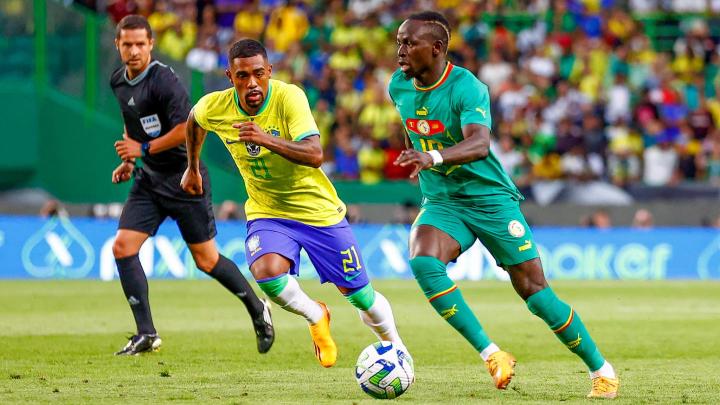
<point>433,118</point>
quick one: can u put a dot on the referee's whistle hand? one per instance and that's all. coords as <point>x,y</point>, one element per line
<point>128,149</point>
<point>191,182</point>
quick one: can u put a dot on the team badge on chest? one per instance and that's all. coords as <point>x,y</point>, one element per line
<point>423,127</point>
<point>252,149</point>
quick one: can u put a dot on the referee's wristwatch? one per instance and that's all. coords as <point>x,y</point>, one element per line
<point>145,149</point>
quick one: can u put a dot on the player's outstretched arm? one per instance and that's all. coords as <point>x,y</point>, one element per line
<point>475,146</point>
<point>194,138</point>
<point>307,152</point>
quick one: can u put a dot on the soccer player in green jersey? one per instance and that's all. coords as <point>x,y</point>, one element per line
<point>445,110</point>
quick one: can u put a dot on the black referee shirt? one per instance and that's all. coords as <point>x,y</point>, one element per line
<point>152,104</point>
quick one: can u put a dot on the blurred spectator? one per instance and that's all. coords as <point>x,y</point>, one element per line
<point>249,22</point>
<point>643,219</point>
<point>510,158</point>
<point>175,29</point>
<point>371,159</point>
<point>53,208</point>
<point>112,210</point>
<point>345,154</point>
<point>624,167</point>
<point>205,56</point>
<point>708,161</point>
<point>378,113</point>
<point>226,10</point>
<point>495,71</point>
<point>353,214</point>
<point>396,144</point>
<point>661,162</point>
<point>618,100</point>
<point>229,210</point>
<point>599,219</point>
<point>287,24</point>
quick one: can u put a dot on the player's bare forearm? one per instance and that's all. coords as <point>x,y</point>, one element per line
<point>194,139</point>
<point>307,152</point>
<point>475,146</point>
<point>173,138</point>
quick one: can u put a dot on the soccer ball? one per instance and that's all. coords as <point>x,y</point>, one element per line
<point>384,370</point>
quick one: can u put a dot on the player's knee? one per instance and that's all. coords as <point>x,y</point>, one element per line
<point>431,274</point>
<point>123,248</point>
<point>427,266</point>
<point>205,264</point>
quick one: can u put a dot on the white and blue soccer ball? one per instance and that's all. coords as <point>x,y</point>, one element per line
<point>384,370</point>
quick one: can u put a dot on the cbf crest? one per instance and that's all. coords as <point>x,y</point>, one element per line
<point>252,149</point>
<point>253,244</point>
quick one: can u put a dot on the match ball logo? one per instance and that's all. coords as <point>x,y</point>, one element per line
<point>423,127</point>
<point>516,229</point>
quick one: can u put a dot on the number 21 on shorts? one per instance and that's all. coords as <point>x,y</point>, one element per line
<point>351,260</point>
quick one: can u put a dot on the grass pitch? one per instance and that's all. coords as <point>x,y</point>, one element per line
<point>58,339</point>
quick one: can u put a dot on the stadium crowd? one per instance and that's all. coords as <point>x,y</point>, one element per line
<point>580,92</point>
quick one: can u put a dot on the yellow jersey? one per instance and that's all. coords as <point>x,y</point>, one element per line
<point>276,187</point>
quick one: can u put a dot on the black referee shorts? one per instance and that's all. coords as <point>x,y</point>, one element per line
<point>146,208</point>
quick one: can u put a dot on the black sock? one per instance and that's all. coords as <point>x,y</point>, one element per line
<point>135,286</point>
<point>228,274</point>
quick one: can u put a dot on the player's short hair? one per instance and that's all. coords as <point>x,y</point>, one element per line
<point>246,48</point>
<point>133,22</point>
<point>437,22</point>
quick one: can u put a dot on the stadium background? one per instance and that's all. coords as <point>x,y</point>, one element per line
<point>606,116</point>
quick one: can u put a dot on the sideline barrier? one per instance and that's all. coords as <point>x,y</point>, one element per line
<point>73,248</point>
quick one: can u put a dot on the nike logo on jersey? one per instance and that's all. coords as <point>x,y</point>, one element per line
<point>230,141</point>
<point>481,111</point>
<point>131,102</point>
<point>350,278</point>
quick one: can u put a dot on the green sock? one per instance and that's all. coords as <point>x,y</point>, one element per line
<point>567,325</point>
<point>447,300</point>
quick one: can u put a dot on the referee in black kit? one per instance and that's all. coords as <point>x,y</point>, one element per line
<point>155,107</point>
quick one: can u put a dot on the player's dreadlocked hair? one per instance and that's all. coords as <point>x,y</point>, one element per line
<point>133,22</point>
<point>437,22</point>
<point>246,48</point>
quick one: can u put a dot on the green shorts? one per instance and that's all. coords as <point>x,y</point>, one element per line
<point>501,228</point>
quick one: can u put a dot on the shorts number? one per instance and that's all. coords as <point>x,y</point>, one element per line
<point>259,168</point>
<point>429,144</point>
<point>352,261</point>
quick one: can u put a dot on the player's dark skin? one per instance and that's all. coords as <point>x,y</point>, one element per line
<point>251,78</point>
<point>422,56</point>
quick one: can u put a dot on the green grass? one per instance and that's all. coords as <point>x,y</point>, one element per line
<point>58,338</point>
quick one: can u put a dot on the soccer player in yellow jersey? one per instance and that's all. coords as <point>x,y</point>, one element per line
<point>270,132</point>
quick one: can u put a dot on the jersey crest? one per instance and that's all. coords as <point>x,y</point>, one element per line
<point>252,149</point>
<point>425,127</point>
